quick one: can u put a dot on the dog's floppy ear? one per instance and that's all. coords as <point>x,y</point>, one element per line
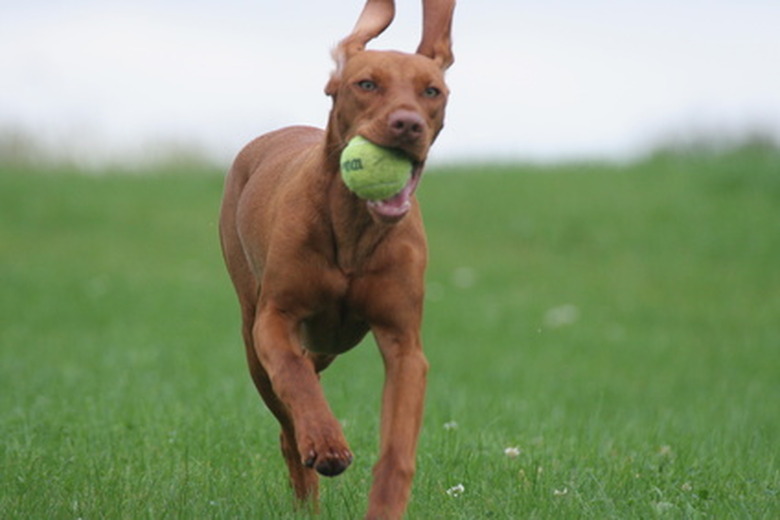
<point>437,26</point>
<point>376,16</point>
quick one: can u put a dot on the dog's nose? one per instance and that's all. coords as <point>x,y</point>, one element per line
<point>406,125</point>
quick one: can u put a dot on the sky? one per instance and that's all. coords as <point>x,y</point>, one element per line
<point>532,80</point>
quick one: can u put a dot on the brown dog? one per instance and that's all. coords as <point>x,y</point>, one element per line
<point>316,268</point>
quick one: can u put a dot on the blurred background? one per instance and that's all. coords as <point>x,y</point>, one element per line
<point>602,297</point>
<point>94,81</point>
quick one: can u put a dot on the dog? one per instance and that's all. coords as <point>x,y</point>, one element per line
<point>315,268</point>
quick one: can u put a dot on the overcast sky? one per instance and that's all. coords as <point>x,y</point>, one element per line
<point>535,79</point>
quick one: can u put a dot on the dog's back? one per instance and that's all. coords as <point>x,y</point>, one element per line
<point>273,166</point>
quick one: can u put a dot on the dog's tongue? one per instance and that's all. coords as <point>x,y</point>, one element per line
<point>398,205</point>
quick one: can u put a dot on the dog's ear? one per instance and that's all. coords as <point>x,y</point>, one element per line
<point>437,27</point>
<point>376,16</point>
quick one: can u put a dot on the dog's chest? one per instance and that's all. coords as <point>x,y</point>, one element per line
<point>334,330</point>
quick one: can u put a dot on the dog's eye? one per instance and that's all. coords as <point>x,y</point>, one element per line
<point>431,92</point>
<point>367,85</point>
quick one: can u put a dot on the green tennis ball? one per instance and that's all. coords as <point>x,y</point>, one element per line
<point>373,172</point>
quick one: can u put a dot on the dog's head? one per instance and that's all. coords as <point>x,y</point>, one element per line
<point>393,99</point>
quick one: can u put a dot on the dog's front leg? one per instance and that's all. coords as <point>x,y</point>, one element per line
<point>320,441</point>
<point>402,410</point>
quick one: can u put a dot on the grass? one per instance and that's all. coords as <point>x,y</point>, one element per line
<point>618,324</point>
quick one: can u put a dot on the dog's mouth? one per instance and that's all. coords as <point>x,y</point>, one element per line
<point>394,208</point>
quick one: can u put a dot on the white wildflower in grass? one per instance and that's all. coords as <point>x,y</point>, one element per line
<point>561,492</point>
<point>450,425</point>
<point>686,486</point>
<point>662,507</point>
<point>562,316</point>
<point>464,277</point>
<point>512,452</point>
<point>456,491</point>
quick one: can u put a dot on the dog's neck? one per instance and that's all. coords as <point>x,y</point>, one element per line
<point>356,234</point>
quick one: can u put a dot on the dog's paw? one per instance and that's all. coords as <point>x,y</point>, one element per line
<point>330,464</point>
<point>327,453</point>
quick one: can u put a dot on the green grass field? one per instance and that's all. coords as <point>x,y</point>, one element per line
<point>618,324</point>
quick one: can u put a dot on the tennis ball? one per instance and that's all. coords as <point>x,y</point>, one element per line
<point>373,172</point>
